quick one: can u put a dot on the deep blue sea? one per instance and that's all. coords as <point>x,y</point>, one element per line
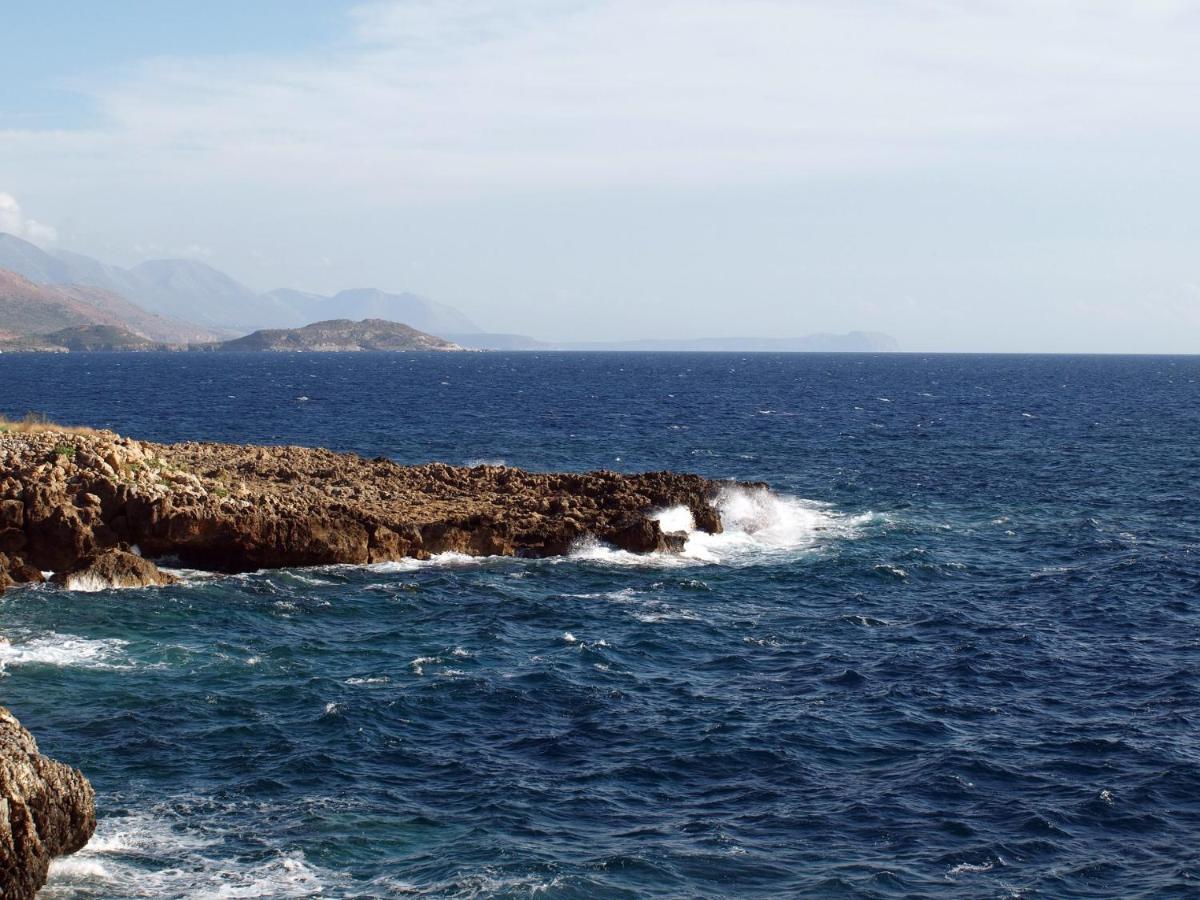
<point>955,654</point>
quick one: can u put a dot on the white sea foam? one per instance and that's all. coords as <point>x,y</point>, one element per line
<point>63,650</point>
<point>308,579</point>
<point>88,584</point>
<point>675,519</point>
<point>146,856</point>
<point>418,665</point>
<point>970,869</point>
<point>756,524</point>
<point>441,560</point>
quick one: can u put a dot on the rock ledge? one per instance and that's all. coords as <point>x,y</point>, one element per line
<point>65,497</point>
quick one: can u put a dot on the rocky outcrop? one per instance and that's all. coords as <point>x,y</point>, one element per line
<point>112,569</point>
<point>65,497</point>
<point>47,809</point>
<point>338,336</point>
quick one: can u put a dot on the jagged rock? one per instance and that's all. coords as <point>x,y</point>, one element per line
<point>14,570</point>
<point>639,535</point>
<point>47,809</point>
<point>68,496</point>
<point>112,569</point>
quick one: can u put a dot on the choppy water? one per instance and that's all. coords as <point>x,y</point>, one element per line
<point>956,655</point>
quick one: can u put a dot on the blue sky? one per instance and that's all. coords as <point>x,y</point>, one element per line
<point>1008,175</point>
<point>53,49</point>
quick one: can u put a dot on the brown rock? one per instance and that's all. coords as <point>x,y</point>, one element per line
<point>14,571</point>
<point>112,569</point>
<point>47,809</point>
<point>236,508</point>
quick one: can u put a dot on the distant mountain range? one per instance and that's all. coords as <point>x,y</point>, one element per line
<point>194,291</point>
<point>185,301</point>
<point>27,308</point>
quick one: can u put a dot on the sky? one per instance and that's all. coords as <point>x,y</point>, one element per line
<point>991,175</point>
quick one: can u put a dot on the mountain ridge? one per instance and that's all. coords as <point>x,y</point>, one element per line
<point>27,308</point>
<point>213,304</point>
<point>216,302</point>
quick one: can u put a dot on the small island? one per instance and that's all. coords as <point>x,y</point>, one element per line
<point>333,336</point>
<point>338,336</point>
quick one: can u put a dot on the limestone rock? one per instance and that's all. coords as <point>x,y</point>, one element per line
<point>47,809</point>
<point>65,497</point>
<point>112,569</point>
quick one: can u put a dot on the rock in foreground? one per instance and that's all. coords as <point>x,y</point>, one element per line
<point>47,809</point>
<point>112,569</point>
<point>66,496</point>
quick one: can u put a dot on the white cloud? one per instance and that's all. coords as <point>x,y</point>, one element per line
<point>437,95</point>
<point>13,221</point>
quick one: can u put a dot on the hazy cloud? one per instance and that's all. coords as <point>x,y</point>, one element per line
<point>13,221</point>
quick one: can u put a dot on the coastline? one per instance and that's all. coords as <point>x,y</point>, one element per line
<point>83,506</point>
<point>72,498</point>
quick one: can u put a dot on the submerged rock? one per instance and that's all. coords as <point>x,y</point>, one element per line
<point>65,497</point>
<point>112,569</point>
<point>47,809</point>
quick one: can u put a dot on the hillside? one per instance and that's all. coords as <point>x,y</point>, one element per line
<point>88,338</point>
<point>38,309</point>
<point>83,339</point>
<point>194,291</point>
<point>340,335</point>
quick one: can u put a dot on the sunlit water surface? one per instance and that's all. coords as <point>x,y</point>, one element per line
<point>955,653</point>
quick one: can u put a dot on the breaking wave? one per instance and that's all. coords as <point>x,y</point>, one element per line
<point>147,855</point>
<point>63,650</point>
<point>758,525</point>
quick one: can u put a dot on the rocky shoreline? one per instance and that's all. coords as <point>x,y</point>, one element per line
<point>47,809</point>
<point>82,504</point>
<point>92,509</point>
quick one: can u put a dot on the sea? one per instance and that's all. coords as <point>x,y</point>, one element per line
<point>955,651</point>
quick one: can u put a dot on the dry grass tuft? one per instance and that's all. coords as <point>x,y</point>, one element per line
<point>35,422</point>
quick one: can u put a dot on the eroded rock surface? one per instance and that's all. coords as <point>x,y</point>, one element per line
<point>65,497</point>
<point>112,569</point>
<point>46,809</point>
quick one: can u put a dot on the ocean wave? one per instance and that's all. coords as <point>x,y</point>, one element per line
<point>63,650</point>
<point>970,869</point>
<point>146,855</point>
<point>757,525</point>
<point>447,560</point>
